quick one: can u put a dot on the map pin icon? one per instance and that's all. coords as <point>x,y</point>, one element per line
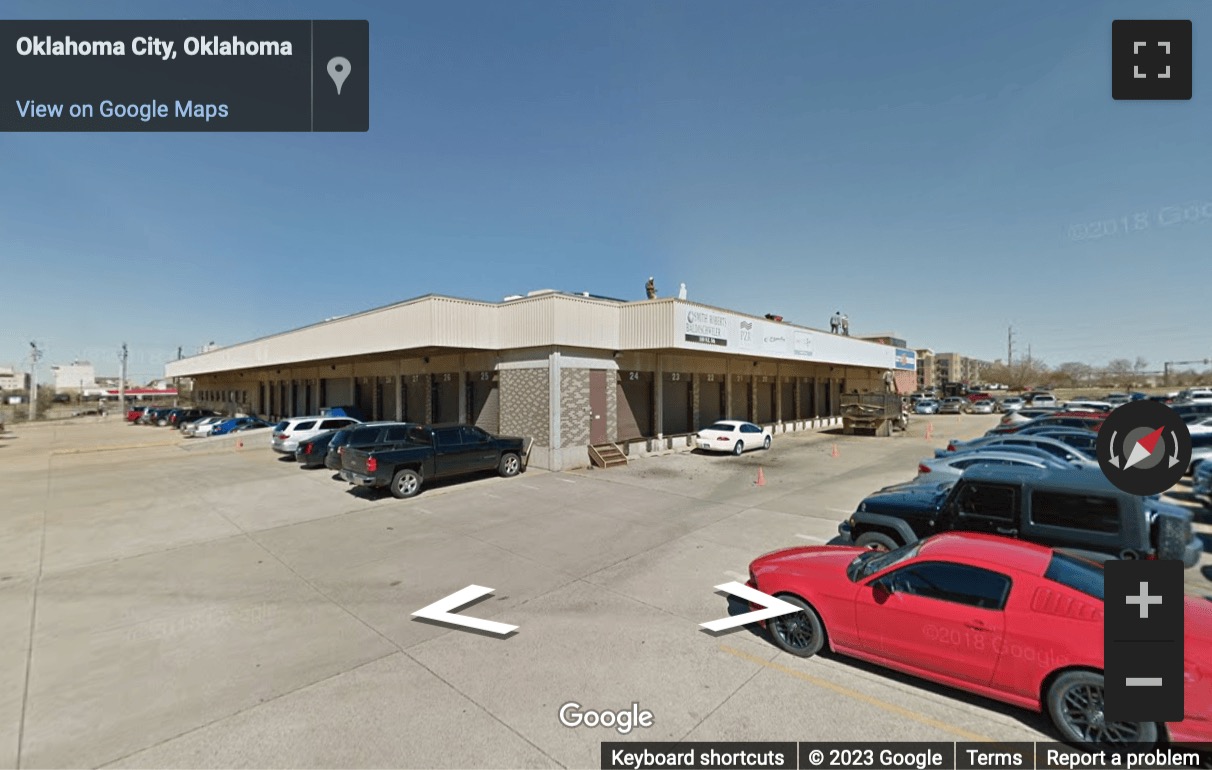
<point>338,70</point>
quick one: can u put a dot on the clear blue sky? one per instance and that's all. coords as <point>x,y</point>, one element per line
<point>921,166</point>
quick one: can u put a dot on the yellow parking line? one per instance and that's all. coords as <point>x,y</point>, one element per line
<point>861,697</point>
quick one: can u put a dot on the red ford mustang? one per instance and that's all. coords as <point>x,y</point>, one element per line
<point>1006,619</point>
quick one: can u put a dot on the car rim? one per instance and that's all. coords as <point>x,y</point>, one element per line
<point>408,484</point>
<point>511,465</point>
<point>795,631</point>
<point>1082,709</point>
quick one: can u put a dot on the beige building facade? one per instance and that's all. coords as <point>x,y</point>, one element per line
<point>567,371</point>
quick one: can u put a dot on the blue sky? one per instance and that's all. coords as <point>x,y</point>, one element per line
<point>929,168</point>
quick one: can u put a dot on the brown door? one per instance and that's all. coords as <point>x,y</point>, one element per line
<point>597,406</point>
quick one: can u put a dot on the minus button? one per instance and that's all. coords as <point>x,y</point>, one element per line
<point>1143,681</point>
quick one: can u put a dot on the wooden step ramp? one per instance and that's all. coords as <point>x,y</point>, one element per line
<point>606,455</point>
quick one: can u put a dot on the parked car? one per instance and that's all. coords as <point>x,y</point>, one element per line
<point>1192,412</point>
<point>312,451</point>
<point>1077,509</point>
<point>926,406</point>
<point>980,598</point>
<point>1084,420</point>
<point>1041,399</point>
<point>178,417</point>
<point>1089,406</point>
<point>733,436</point>
<point>151,415</point>
<point>984,406</point>
<point>1201,482</point>
<point>1115,399</point>
<point>366,435</point>
<point>437,452</point>
<point>978,396</point>
<point>343,411</point>
<point>952,405</point>
<point>1010,404</point>
<point>238,424</point>
<point>1084,441</point>
<point>134,413</point>
<point>203,427</point>
<point>1195,396</point>
<point>951,466</point>
<point>1201,448</point>
<point>1025,414</point>
<point>1052,446</point>
<point>288,434</point>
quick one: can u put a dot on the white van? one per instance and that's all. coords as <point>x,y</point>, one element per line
<point>288,434</point>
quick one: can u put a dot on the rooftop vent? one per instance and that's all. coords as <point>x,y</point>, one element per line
<point>512,297</point>
<point>539,292</point>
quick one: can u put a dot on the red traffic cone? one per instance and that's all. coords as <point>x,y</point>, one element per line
<point>834,453</point>
<point>761,479</point>
<point>239,443</point>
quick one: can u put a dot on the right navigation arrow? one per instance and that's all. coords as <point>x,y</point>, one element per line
<point>774,607</point>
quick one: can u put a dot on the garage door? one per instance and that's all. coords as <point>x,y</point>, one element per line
<point>484,401</point>
<point>808,398</point>
<point>675,403</point>
<point>711,399</point>
<point>364,396</point>
<point>337,392</point>
<point>446,397</point>
<point>787,394</point>
<point>738,409</point>
<point>765,399</point>
<point>414,390</point>
<point>634,396</point>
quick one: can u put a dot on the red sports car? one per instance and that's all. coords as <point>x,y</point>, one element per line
<point>1006,619</point>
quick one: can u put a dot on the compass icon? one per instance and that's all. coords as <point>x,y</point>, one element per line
<point>1144,447</point>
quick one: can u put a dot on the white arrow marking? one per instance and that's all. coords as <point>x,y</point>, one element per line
<point>1166,46</point>
<point>774,608</point>
<point>1174,457</point>
<point>1113,459</point>
<point>441,612</point>
<point>1136,47</point>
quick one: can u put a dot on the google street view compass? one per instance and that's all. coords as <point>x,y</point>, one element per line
<point>1144,447</point>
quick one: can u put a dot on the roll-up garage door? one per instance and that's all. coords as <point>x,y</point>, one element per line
<point>738,408</point>
<point>634,394</point>
<point>765,399</point>
<point>807,398</point>
<point>337,392</point>
<point>414,392</point>
<point>787,395</point>
<point>484,401</point>
<point>446,397</point>
<point>711,399</point>
<point>675,403</point>
<point>364,396</point>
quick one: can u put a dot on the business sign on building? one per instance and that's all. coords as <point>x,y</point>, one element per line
<point>701,328</point>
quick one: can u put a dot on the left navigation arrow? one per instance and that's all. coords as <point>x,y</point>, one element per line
<point>774,607</point>
<point>442,612</point>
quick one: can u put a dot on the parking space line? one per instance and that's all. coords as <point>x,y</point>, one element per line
<point>859,696</point>
<point>528,486</point>
<point>814,538</point>
<point>424,510</point>
<point>568,481</point>
<point>490,494</point>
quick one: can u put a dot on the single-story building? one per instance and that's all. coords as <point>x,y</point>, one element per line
<point>569,371</point>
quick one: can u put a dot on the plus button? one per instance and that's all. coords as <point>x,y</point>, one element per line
<point>1144,600</point>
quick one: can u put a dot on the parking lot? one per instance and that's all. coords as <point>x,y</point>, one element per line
<point>173,603</point>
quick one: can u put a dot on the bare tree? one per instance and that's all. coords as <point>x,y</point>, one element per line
<point>1119,373</point>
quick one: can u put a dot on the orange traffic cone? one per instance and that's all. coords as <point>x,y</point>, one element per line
<point>239,443</point>
<point>834,453</point>
<point>929,430</point>
<point>761,479</point>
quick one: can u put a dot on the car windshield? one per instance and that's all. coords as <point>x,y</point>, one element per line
<point>870,562</point>
<point>722,426</point>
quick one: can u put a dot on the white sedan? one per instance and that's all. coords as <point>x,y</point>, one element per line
<point>733,436</point>
<point>951,466</point>
<point>203,427</point>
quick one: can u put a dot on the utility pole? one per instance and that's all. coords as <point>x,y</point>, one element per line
<point>1009,345</point>
<point>34,356</point>
<point>122,382</point>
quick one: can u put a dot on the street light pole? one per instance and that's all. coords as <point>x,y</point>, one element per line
<point>122,383</point>
<point>34,355</point>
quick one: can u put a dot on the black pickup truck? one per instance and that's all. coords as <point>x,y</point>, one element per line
<point>1077,510</point>
<point>432,452</point>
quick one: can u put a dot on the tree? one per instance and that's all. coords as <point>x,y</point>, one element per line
<point>1073,374</point>
<point>1118,373</point>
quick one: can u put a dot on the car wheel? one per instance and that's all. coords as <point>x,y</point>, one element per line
<point>510,465</point>
<point>877,541</point>
<point>766,443</point>
<point>801,633</point>
<point>406,483</point>
<point>740,447</point>
<point>1075,703</point>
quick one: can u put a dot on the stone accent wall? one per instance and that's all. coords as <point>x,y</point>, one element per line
<point>574,405</point>
<point>525,404</point>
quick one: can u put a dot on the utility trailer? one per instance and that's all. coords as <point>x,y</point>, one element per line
<point>876,413</point>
